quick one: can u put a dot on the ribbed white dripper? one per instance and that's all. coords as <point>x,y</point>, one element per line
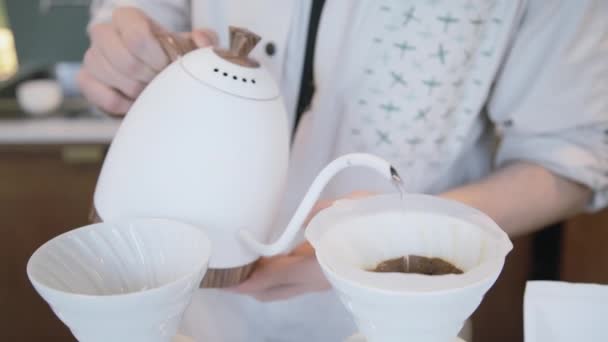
<point>124,281</point>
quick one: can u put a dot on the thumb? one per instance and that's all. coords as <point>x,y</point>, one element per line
<point>204,37</point>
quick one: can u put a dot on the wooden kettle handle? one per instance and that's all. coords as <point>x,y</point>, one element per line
<point>174,45</point>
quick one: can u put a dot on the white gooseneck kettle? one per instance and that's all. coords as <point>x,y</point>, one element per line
<point>207,143</point>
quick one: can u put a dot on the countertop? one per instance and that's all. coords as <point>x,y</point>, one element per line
<point>58,130</point>
<point>75,123</point>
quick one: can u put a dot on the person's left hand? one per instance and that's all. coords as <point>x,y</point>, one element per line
<point>285,276</point>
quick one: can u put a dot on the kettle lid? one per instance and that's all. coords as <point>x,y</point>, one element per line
<point>232,70</point>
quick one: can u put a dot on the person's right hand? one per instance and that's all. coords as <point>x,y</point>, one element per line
<point>125,56</point>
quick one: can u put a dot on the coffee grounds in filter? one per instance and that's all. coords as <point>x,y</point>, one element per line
<point>417,264</point>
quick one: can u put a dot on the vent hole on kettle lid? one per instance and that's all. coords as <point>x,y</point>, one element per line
<point>225,74</point>
<point>244,80</point>
<point>235,78</point>
<point>216,70</point>
<point>253,81</point>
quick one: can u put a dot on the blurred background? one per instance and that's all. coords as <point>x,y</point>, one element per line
<point>52,145</point>
<point>51,149</point>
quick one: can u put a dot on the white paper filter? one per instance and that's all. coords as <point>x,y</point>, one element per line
<point>355,235</point>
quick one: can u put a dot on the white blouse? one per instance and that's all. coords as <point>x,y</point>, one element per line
<point>426,84</point>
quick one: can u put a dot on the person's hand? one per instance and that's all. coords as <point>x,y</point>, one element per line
<point>285,276</point>
<point>124,57</point>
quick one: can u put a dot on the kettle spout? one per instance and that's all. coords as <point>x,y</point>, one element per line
<point>295,224</point>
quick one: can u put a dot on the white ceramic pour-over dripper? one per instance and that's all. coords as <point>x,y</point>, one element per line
<point>127,281</point>
<point>355,235</point>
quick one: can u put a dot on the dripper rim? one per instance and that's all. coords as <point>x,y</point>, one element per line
<point>314,231</point>
<point>350,209</point>
<point>131,295</point>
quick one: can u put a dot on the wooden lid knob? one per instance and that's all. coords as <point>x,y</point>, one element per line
<point>242,42</point>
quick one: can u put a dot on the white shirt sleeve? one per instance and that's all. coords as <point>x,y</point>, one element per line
<point>171,14</point>
<point>550,100</point>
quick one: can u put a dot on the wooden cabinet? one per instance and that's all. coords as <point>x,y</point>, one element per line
<point>585,249</point>
<point>44,191</point>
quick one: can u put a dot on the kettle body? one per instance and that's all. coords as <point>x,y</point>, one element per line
<point>207,142</point>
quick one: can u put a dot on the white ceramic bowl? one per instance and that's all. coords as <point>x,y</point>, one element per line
<point>39,97</point>
<point>125,281</point>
